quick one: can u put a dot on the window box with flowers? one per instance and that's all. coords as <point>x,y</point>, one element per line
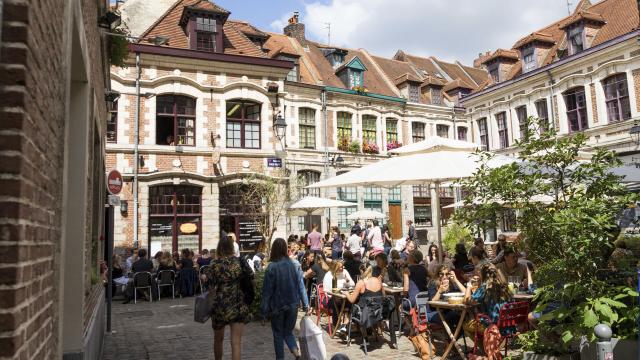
<point>354,147</point>
<point>393,145</point>
<point>344,143</point>
<point>370,148</point>
<point>360,89</point>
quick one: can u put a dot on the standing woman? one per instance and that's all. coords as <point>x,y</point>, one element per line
<point>283,290</point>
<point>337,244</point>
<point>225,276</point>
<point>388,243</point>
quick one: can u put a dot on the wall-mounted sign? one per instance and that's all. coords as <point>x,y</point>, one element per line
<point>114,182</point>
<point>248,233</point>
<point>274,162</point>
<point>188,228</point>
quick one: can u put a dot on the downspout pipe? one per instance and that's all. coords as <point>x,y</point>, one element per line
<point>136,141</point>
<point>323,97</point>
<point>552,81</point>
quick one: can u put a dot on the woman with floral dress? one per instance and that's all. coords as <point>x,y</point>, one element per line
<point>225,276</point>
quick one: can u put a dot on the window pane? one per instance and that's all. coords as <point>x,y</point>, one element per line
<point>462,133</point>
<point>252,111</point>
<point>417,130</point>
<point>307,116</point>
<point>234,110</point>
<point>395,194</point>
<point>112,123</point>
<point>442,131</point>
<point>392,130</point>
<point>344,125</point>
<point>369,129</point>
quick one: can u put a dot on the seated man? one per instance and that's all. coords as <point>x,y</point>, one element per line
<point>142,264</point>
<point>511,269</point>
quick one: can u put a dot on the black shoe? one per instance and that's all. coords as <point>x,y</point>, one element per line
<point>126,301</point>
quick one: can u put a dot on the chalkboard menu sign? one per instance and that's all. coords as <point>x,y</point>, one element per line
<point>249,236</point>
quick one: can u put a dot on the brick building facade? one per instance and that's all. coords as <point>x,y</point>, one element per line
<point>330,98</point>
<point>52,91</point>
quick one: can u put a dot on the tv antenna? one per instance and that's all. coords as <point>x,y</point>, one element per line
<point>328,27</point>
<point>569,3</point>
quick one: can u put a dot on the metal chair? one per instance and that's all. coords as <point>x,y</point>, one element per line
<point>322,306</point>
<point>142,280</point>
<point>356,316</point>
<point>200,272</point>
<point>166,278</point>
<point>511,315</point>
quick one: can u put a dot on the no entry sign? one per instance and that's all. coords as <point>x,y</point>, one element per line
<point>114,182</point>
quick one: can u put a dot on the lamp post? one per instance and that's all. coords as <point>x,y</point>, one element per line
<point>634,132</point>
<point>280,128</point>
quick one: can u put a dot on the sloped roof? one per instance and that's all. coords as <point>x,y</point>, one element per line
<point>458,84</point>
<point>235,42</point>
<point>502,54</point>
<point>407,77</point>
<point>458,71</point>
<point>396,69</point>
<point>534,37</point>
<point>248,29</point>
<point>617,17</point>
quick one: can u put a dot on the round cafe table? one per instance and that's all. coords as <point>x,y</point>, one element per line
<point>464,310</point>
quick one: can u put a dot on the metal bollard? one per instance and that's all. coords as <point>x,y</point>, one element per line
<point>603,346</point>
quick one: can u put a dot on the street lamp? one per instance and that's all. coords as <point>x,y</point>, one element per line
<point>280,127</point>
<point>634,132</point>
<point>337,161</point>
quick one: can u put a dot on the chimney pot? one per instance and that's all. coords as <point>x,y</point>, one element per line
<point>295,29</point>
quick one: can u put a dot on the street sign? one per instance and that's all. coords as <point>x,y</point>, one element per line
<point>114,182</point>
<point>114,200</point>
<point>274,162</point>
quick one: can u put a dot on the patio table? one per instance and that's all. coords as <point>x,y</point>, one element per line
<point>463,309</point>
<point>338,297</point>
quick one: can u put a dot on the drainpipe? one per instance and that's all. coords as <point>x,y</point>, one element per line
<point>553,115</point>
<point>136,141</point>
<point>323,97</point>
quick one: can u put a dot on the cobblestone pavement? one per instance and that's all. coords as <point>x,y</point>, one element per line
<point>166,330</point>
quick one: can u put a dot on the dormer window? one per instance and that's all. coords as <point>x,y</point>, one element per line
<point>206,34</point>
<point>575,39</point>
<point>529,59</point>
<point>352,74</point>
<point>436,96</point>
<point>494,72</point>
<point>414,93</point>
<point>334,56</point>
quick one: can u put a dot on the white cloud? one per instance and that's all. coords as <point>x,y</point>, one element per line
<point>447,29</point>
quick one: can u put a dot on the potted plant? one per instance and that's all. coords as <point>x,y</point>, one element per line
<point>354,147</point>
<point>370,148</point>
<point>393,145</point>
<point>343,143</point>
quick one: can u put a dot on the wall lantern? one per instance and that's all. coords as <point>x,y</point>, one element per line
<point>280,126</point>
<point>124,206</point>
<point>634,132</point>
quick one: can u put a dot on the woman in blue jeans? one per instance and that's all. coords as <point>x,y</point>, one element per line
<point>282,292</point>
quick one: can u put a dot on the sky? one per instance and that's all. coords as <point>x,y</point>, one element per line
<point>448,29</point>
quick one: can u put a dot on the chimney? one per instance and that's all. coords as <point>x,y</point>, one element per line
<point>295,29</point>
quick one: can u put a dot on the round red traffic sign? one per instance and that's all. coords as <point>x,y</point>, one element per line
<point>114,182</point>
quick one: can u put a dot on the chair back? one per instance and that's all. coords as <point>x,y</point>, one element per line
<point>513,314</point>
<point>142,279</point>
<point>421,301</point>
<point>322,300</point>
<point>166,277</point>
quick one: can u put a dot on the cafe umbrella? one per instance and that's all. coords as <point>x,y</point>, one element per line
<point>312,205</point>
<point>429,167</point>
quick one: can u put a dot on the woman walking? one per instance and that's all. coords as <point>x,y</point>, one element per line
<point>225,276</point>
<point>282,291</point>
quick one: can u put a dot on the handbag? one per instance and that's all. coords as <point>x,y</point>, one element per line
<point>423,346</point>
<point>246,283</point>
<point>204,304</point>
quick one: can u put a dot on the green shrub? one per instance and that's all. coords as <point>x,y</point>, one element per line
<point>456,233</point>
<point>254,309</point>
<point>354,147</point>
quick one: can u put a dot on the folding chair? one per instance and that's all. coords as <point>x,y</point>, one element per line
<point>166,278</point>
<point>322,306</point>
<point>511,315</point>
<point>142,280</point>
<point>200,272</point>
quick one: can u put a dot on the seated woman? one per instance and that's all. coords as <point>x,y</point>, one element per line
<point>370,285</point>
<point>445,281</point>
<point>395,267</point>
<point>489,292</point>
<point>343,280</point>
<point>351,264</point>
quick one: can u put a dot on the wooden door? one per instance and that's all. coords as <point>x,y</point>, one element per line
<point>395,218</point>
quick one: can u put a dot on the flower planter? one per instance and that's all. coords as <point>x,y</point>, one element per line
<point>622,349</point>
<point>530,355</point>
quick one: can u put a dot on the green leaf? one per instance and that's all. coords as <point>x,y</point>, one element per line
<point>590,319</point>
<point>613,303</point>
<point>567,336</point>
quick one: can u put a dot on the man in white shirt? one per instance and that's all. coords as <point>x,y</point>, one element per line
<point>375,237</point>
<point>353,243</point>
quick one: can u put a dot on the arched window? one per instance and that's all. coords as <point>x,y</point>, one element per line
<point>483,131</point>
<point>392,131</point>
<point>307,123</point>
<point>243,124</point>
<point>175,120</point>
<point>344,130</point>
<point>616,94</point>
<point>308,177</point>
<point>576,104</point>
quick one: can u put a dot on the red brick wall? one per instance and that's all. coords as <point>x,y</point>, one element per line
<point>636,85</point>
<point>594,106</point>
<point>33,66</point>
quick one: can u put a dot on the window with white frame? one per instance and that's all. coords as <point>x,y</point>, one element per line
<point>417,131</point>
<point>576,104</point>
<point>529,59</point>
<point>307,123</point>
<point>442,131</point>
<point>521,113</point>
<point>616,95</point>
<point>484,133</point>
<point>306,178</point>
<point>503,130</point>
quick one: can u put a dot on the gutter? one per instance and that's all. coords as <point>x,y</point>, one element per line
<point>203,55</point>
<point>564,61</point>
<point>365,94</point>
